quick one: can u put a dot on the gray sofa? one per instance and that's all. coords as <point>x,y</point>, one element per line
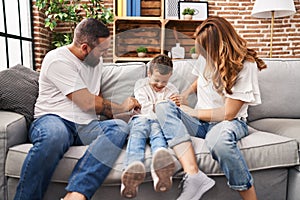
<point>271,150</point>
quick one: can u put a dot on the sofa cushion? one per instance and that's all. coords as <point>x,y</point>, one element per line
<point>261,150</point>
<point>284,127</point>
<point>279,87</point>
<point>19,90</point>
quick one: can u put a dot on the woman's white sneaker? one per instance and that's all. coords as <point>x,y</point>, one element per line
<point>194,186</point>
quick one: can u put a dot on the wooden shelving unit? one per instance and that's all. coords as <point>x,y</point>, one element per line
<point>150,30</point>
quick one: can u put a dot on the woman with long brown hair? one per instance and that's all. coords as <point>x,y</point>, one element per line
<point>227,84</point>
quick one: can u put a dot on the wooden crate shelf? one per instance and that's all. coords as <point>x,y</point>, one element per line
<point>151,8</point>
<point>152,31</point>
<point>129,35</point>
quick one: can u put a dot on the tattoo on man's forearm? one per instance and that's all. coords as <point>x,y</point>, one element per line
<point>106,109</point>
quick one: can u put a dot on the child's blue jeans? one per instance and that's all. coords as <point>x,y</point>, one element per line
<point>142,129</point>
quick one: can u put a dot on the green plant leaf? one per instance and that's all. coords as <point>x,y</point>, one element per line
<point>70,11</point>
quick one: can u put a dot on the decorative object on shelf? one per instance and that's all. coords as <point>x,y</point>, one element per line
<point>177,51</point>
<point>193,53</point>
<point>188,13</point>
<point>200,9</point>
<point>171,9</point>
<point>69,11</point>
<point>273,9</point>
<point>141,51</point>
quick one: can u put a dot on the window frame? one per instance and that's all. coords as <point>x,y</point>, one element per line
<point>18,36</point>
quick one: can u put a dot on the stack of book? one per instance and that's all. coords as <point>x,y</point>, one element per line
<point>129,8</point>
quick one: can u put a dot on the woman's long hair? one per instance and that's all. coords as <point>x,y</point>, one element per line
<point>225,51</point>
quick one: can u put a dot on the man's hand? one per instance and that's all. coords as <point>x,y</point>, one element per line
<point>130,104</point>
<point>130,108</point>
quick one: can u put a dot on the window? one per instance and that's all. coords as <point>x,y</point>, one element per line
<point>16,34</point>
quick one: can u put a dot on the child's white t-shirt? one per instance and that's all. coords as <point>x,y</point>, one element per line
<point>63,73</point>
<point>245,89</point>
<point>147,97</point>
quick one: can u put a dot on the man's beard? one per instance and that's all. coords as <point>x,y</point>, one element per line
<point>91,60</point>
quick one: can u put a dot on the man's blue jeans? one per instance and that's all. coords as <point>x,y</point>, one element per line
<point>52,136</point>
<point>142,129</point>
<point>221,139</point>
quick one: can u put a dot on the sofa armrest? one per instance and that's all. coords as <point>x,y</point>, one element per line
<point>13,131</point>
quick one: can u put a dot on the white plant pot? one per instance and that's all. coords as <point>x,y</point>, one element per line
<point>141,54</point>
<point>188,17</point>
<point>194,55</point>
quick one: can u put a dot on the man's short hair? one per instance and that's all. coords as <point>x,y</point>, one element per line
<point>89,31</point>
<point>162,63</point>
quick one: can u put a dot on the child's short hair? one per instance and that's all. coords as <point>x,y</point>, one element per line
<point>162,63</point>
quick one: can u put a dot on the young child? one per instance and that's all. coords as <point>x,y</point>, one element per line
<point>148,92</point>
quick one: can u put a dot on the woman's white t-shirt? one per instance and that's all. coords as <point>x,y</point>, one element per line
<point>63,73</point>
<point>245,89</point>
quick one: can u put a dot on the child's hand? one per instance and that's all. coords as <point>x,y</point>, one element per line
<point>176,98</point>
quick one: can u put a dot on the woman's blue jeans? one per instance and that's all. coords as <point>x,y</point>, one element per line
<point>221,139</point>
<point>52,136</point>
<point>142,129</point>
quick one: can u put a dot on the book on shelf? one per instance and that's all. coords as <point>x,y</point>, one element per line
<point>129,7</point>
<point>133,8</point>
<point>124,7</point>
<point>138,8</point>
<point>120,8</point>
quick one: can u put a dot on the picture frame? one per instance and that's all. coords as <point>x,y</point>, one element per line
<point>201,9</point>
<point>171,9</point>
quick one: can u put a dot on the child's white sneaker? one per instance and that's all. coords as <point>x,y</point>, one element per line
<point>131,178</point>
<point>163,167</point>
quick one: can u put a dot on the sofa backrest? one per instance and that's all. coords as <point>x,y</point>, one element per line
<point>183,77</point>
<point>279,87</point>
<point>118,79</point>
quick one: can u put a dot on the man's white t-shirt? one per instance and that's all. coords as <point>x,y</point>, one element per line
<point>245,89</point>
<point>147,97</point>
<point>63,73</point>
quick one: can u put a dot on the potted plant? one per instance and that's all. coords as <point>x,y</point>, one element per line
<point>188,13</point>
<point>193,53</point>
<point>141,51</point>
<point>71,12</point>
